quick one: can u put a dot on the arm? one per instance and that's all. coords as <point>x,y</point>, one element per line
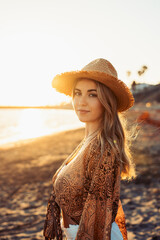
<point>101,204</point>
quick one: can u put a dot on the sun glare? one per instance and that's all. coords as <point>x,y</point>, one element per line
<point>31,124</point>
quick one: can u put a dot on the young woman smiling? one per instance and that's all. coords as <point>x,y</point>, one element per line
<point>86,188</point>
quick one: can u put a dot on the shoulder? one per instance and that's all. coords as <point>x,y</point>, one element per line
<point>95,148</point>
<point>95,155</point>
<point>95,144</point>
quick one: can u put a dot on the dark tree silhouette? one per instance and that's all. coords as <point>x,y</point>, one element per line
<point>142,70</point>
<point>140,73</point>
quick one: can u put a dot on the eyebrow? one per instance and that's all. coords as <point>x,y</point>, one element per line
<point>90,90</point>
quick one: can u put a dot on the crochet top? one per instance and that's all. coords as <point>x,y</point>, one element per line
<point>87,189</point>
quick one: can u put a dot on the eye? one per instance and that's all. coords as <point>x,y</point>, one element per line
<point>77,93</point>
<point>93,95</point>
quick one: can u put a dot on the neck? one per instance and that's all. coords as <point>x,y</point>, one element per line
<point>91,128</point>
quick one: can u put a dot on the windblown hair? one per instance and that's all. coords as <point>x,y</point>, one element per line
<point>114,130</point>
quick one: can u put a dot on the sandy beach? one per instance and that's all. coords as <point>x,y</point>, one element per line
<point>27,167</point>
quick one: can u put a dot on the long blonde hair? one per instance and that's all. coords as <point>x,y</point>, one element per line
<point>114,130</point>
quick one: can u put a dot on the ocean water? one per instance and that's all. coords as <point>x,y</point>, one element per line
<point>21,124</point>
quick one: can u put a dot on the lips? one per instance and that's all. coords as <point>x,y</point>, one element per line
<point>82,111</point>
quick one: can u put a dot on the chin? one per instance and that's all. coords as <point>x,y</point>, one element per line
<point>82,119</point>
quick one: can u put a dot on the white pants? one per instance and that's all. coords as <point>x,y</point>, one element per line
<point>71,232</point>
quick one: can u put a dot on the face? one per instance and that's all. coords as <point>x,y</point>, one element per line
<point>86,103</point>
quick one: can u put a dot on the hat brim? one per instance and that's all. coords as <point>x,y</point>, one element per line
<point>64,83</point>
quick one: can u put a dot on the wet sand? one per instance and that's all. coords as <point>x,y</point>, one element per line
<point>26,170</point>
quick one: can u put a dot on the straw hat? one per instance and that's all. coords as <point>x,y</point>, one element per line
<point>102,71</point>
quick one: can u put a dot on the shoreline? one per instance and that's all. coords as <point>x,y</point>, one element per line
<point>18,143</point>
<point>138,107</point>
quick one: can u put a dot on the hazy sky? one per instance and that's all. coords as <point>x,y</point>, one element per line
<point>41,38</point>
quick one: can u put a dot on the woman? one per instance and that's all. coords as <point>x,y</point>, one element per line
<point>86,188</point>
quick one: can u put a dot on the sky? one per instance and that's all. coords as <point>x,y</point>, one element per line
<point>42,38</point>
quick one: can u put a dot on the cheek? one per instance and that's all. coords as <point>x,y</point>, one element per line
<point>97,104</point>
<point>99,109</point>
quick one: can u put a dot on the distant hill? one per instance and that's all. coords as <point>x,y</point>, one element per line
<point>146,93</point>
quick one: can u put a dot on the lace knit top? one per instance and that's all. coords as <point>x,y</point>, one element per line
<point>87,189</point>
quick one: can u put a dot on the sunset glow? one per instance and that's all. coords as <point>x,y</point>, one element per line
<point>31,124</point>
<point>40,39</point>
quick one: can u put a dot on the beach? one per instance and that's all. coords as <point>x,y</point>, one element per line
<point>26,174</point>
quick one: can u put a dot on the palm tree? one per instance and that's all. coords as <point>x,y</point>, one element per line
<point>142,70</point>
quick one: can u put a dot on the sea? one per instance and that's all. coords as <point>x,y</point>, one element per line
<point>21,124</point>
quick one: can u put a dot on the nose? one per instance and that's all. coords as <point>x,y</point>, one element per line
<point>82,101</point>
